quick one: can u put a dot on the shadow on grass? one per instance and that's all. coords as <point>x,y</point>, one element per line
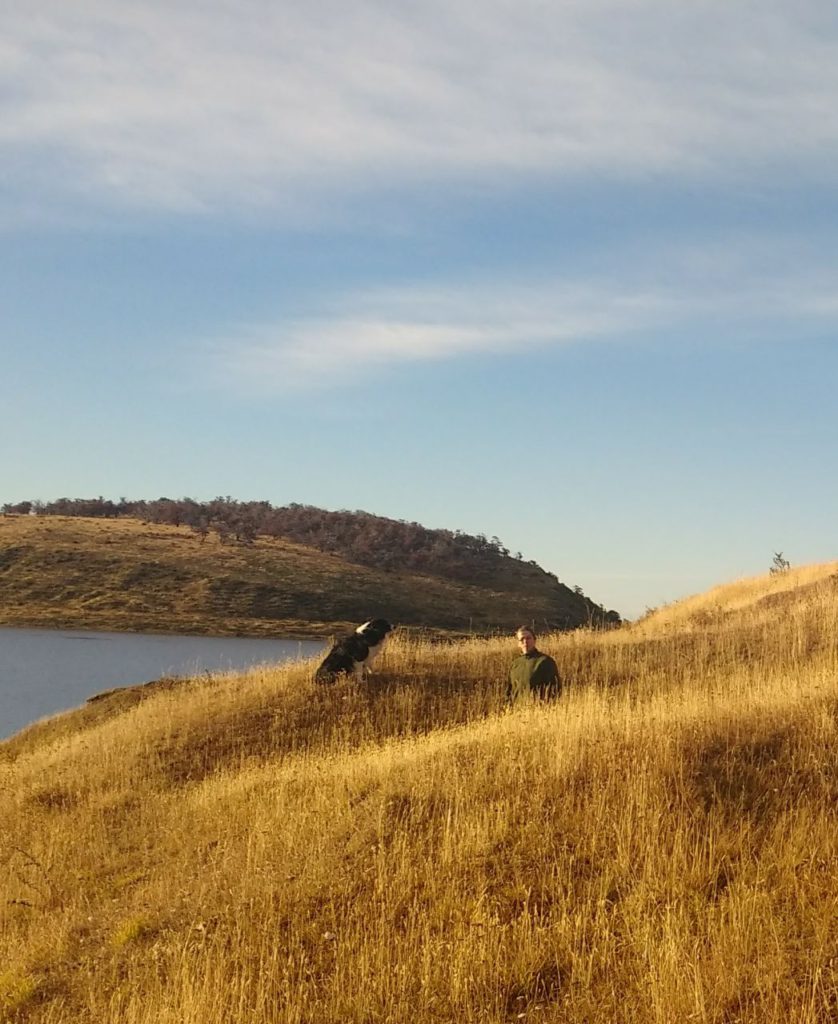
<point>311,718</point>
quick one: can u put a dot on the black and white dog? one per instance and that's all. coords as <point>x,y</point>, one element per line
<point>354,653</point>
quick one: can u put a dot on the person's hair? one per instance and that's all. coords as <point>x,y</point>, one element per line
<point>524,629</point>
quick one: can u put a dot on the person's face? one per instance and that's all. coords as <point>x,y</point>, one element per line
<point>526,641</point>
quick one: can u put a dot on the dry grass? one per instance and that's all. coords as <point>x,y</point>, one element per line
<point>122,574</point>
<point>658,846</point>
<point>767,592</point>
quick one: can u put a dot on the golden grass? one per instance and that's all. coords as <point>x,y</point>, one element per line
<point>728,598</point>
<point>658,846</point>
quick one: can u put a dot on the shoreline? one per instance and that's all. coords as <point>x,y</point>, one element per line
<point>238,629</point>
<point>274,631</point>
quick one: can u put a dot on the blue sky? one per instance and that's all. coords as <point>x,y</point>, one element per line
<point>561,273</point>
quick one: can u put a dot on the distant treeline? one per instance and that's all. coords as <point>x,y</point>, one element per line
<point>357,536</point>
<point>360,537</point>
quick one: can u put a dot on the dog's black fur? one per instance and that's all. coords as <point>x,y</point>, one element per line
<point>355,652</point>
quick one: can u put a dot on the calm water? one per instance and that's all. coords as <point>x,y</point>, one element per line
<point>43,671</point>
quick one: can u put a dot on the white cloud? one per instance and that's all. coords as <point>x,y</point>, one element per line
<point>246,103</point>
<point>668,293</point>
<point>374,331</point>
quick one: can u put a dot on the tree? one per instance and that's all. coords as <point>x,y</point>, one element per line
<point>22,508</point>
<point>780,564</point>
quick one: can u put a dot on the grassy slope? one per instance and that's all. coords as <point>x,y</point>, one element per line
<point>122,574</point>
<point>660,846</point>
<point>762,597</point>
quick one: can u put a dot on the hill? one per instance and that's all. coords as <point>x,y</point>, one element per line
<point>660,845</point>
<point>761,597</point>
<point>122,573</point>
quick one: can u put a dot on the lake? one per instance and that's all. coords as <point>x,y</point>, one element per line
<point>43,671</point>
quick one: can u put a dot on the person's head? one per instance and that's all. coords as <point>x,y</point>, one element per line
<point>526,639</point>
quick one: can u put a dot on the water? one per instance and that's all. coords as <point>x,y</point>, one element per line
<point>43,671</point>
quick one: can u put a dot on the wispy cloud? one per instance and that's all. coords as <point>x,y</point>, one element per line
<point>670,295</point>
<point>235,104</point>
<point>377,330</point>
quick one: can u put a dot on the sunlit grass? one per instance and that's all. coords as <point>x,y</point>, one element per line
<point>765,591</point>
<point>658,846</point>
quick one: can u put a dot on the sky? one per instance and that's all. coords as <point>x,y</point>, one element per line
<point>562,273</point>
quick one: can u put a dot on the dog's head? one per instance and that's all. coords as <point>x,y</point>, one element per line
<point>374,631</point>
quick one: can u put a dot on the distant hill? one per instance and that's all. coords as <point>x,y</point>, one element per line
<point>228,567</point>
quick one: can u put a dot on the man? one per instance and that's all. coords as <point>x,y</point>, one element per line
<point>532,673</point>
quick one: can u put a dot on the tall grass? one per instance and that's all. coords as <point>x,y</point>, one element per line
<point>658,846</point>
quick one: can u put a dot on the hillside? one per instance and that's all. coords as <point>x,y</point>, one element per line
<point>123,574</point>
<point>661,845</point>
<point>759,596</point>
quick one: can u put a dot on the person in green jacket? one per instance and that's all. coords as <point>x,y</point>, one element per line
<point>532,673</point>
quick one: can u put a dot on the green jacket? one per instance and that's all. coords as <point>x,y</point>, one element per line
<point>534,673</point>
